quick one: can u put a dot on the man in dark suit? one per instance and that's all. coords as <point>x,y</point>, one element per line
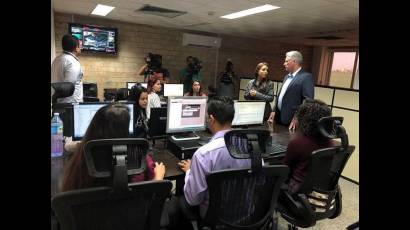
<point>297,86</point>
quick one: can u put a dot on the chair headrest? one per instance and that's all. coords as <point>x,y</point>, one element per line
<point>248,144</point>
<point>331,127</point>
<point>116,158</point>
<point>62,89</point>
<point>96,151</point>
<point>121,94</point>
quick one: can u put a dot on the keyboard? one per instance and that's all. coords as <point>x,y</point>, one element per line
<point>189,144</point>
<point>185,137</point>
<point>277,149</point>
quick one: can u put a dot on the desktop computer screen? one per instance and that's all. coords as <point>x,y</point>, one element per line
<point>131,84</point>
<point>186,114</point>
<point>83,113</point>
<point>248,112</point>
<point>173,90</point>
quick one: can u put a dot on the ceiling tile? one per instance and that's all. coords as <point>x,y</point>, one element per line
<point>295,18</point>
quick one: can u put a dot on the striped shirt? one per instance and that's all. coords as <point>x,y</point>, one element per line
<point>153,102</point>
<point>208,158</point>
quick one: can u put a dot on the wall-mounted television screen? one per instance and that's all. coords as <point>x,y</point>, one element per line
<point>95,38</point>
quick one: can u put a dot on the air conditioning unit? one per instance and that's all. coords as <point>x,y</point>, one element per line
<point>201,41</point>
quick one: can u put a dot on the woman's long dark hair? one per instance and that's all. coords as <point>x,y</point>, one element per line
<point>258,67</point>
<point>110,121</point>
<point>191,91</point>
<point>151,82</point>
<point>308,115</point>
<point>134,96</point>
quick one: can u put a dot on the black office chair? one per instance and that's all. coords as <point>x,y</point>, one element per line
<point>62,89</point>
<point>109,94</point>
<point>90,92</point>
<point>119,205</point>
<point>121,94</point>
<point>319,196</point>
<point>244,198</point>
<point>90,89</point>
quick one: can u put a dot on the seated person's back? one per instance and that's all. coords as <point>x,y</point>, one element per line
<point>111,121</point>
<point>212,156</point>
<point>306,140</point>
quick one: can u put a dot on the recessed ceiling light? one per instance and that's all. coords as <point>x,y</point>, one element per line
<point>250,11</point>
<point>102,10</point>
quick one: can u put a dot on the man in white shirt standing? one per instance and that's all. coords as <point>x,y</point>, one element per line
<point>67,68</point>
<point>297,86</point>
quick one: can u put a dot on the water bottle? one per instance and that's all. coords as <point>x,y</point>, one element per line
<point>57,146</point>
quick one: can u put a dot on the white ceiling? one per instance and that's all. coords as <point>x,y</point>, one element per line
<point>293,22</point>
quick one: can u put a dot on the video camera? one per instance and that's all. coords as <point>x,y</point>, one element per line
<point>227,77</point>
<point>194,66</point>
<point>154,62</point>
<point>229,74</point>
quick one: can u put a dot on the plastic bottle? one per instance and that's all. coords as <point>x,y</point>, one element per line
<point>57,146</point>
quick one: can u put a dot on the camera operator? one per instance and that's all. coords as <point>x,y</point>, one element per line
<point>153,67</point>
<point>190,73</point>
<point>226,86</point>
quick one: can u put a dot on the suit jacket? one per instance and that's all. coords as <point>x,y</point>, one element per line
<point>300,88</point>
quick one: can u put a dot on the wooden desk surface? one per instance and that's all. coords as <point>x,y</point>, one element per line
<point>172,170</point>
<point>280,135</point>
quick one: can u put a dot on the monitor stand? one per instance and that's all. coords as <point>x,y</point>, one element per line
<point>185,136</point>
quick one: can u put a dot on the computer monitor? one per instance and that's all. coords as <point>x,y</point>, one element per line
<point>158,122</point>
<point>186,114</point>
<point>83,113</point>
<point>131,84</point>
<point>173,90</point>
<point>248,113</point>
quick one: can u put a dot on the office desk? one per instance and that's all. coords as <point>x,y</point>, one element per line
<point>280,135</point>
<point>173,172</point>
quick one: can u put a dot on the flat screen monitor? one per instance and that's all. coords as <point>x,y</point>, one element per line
<point>131,84</point>
<point>83,113</point>
<point>248,112</point>
<point>171,90</point>
<point>96,39</point>
<point>158,122</point>
<point>186,114</point>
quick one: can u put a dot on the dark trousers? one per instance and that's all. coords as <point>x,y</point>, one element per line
<point>170,213</point>
<point>278,120</point>
<point>189,213</point>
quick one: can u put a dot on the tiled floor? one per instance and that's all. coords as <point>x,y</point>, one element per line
<point>350,210</point>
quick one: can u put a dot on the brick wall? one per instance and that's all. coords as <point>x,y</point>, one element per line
<point>135,41</point>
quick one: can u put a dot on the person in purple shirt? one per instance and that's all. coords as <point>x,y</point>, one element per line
<point>212,156</point>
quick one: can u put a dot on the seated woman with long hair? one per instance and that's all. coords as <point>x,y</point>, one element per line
<point>153,88</point>
<point>306,140</point>
<point>139,96</point>
<point>110,121</point>
<point>196,89</point>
